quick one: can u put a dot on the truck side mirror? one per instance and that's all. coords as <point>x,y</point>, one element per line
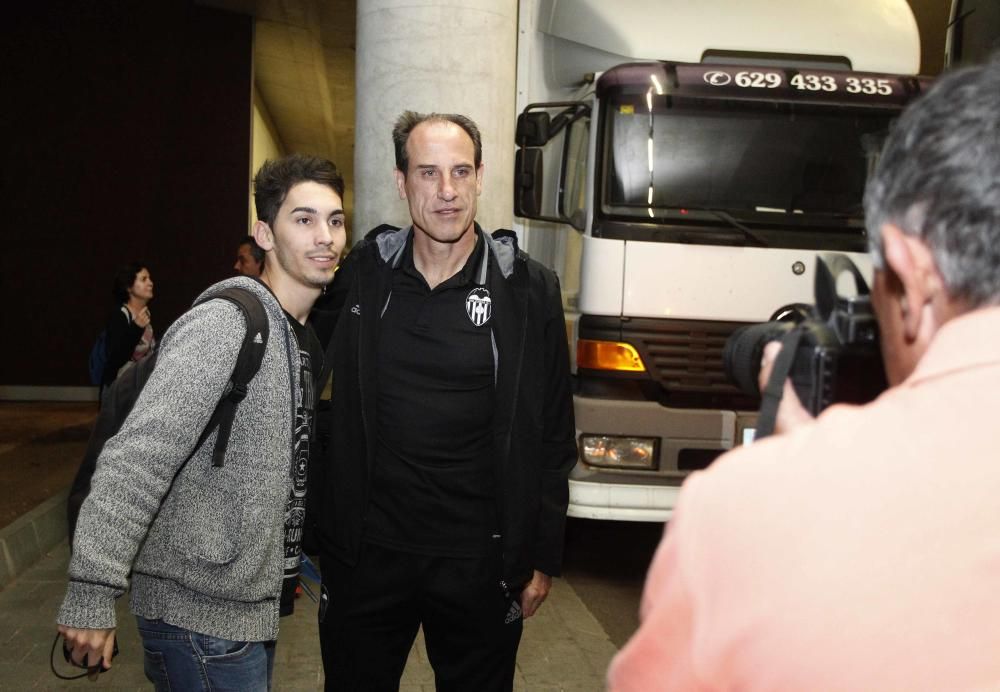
<point>532,129</point>
<point>528,182</point>
<point>565,137</point>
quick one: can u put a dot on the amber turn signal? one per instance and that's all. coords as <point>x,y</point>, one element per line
<point>608,355</point>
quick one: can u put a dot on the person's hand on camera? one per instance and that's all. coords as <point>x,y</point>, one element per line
<point>791,412</point>
<point>89,648</point>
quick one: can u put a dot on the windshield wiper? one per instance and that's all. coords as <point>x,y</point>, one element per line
<point>748,233</point>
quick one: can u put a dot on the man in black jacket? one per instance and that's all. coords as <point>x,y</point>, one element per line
<point>441,498</point>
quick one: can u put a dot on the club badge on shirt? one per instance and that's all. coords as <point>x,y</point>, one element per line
<point>479,306</point>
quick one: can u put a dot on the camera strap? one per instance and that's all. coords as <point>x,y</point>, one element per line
<point>770,398</point>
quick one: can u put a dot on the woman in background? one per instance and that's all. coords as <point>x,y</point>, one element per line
<point>129,332</point>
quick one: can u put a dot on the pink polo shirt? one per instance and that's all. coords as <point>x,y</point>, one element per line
<point>860,552</point>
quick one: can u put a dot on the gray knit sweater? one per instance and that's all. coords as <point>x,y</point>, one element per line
<point>204,544</point>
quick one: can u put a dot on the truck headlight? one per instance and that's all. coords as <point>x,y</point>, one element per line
<point>614,451</point>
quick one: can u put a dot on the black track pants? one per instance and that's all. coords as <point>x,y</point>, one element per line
<point>372,612</point>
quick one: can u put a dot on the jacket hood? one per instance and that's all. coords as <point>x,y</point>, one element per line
<point>502,244</point>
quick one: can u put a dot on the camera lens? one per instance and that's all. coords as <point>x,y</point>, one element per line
<point>744,348</point>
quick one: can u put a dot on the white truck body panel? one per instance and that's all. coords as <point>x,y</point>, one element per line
<point>876,35</point>
<point>716,282</point>
<point>670,280</point>
<point>603,263</point>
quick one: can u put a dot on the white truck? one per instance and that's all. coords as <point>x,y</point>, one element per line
<point>679,165</point>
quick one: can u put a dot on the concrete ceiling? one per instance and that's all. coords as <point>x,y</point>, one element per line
<point>304,72</point>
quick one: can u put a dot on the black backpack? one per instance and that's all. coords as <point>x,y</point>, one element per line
<point>121,396</point>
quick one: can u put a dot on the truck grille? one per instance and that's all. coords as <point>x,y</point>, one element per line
<point>683,356</point>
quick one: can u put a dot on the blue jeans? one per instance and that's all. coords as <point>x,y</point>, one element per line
<point>178,659</point>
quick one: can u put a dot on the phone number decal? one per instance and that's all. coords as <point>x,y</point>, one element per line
<point>852,85</point>
<point>751,79</point>
<point>801,81</point>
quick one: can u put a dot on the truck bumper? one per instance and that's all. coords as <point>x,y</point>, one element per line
<point>593,495</point>
<point>687,440</point>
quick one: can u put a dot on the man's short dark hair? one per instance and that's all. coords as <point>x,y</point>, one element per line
<point>939,179</point>
<point>277,176</point>
<point>124,278</point>
<point>410,119</point>
<point>256,251</point>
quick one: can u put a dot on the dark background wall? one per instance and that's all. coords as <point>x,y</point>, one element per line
<point>125,135</point>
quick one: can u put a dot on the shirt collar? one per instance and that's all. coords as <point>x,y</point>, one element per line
<point>966,341</point>
<point>465,276</point>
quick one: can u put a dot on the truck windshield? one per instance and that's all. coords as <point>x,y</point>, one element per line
<point>684,162</point>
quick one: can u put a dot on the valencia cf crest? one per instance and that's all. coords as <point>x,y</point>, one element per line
<point>478,306</point>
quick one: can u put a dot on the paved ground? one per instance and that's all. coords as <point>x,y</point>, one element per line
<point>564,647</point>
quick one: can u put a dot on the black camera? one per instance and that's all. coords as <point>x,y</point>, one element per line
<point>835,344</point>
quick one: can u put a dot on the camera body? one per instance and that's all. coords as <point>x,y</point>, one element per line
<point>836,343</point>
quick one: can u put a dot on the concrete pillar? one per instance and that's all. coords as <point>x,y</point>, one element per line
<point>433,55</point>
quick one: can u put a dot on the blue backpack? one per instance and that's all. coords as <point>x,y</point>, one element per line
<point>98,358</point>
<point>99,352</point>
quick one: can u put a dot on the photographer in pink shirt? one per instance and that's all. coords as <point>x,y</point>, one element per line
<point>861,550</point>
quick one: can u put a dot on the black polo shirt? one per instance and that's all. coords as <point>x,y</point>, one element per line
<point>432,485</point>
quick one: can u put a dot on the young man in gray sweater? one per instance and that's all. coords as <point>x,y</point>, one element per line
<point>214,551</point>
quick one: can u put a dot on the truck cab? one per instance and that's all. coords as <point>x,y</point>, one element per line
<point>693,174</point>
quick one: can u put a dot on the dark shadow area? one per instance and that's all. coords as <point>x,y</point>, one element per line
<point>128,138</point>
<point>605,563</point>
<point>41,446</point>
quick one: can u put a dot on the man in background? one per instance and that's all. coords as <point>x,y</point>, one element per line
<point>249,258</point>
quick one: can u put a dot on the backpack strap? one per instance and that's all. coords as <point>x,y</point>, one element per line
<point>247,364</point>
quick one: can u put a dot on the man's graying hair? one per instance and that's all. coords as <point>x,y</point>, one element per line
<point>410,119</point>
<point>939,179</point>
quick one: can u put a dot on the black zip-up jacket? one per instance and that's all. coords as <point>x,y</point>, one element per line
<point>533,434</point>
